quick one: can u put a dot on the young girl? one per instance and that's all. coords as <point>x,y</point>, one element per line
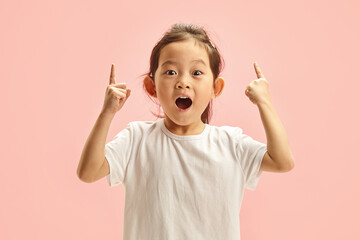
<point>184,178</point>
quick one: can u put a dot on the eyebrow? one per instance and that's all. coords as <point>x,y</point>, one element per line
<point>173,62</point>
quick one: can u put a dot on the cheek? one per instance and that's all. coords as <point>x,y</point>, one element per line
<point>205,97</point>
<point>163,94</point>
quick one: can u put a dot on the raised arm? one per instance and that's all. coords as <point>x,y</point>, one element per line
<point>93,155</point>
<point>278,157</point>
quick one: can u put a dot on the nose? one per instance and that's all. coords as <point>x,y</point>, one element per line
<point>182,83</point>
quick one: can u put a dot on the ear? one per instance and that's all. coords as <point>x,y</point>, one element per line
<point>219,86</point>
<point>150,86</point>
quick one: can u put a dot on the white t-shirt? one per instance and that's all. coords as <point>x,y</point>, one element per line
<point>183,187</point>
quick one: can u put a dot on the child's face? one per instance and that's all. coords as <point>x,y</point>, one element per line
<point>184,76</point>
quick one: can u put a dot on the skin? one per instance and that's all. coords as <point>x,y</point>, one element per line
<point>184,76</point>
<point>278,157</point>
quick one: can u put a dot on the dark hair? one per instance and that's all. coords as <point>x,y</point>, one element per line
<point>180,32</point>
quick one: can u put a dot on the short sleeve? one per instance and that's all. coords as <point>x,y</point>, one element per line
<point>117,153</point>
<point>251,153</point>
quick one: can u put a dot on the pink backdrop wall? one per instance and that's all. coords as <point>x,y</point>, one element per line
<point>55,59</point>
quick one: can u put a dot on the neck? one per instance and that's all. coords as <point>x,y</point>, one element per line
<point>195,128</point>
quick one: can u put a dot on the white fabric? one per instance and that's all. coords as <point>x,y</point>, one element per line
<point>183,187</point>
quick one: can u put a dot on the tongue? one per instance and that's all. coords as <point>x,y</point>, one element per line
<point>183,103</point>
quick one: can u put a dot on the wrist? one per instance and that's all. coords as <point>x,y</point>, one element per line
<point>264,102</point>
<point>106,115</point>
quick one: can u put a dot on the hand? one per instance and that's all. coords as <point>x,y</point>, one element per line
<point>116,94</point>
<point>258,90</point>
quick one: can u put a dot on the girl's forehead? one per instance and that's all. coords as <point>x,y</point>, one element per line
<point>183,51</point>
<point>186,46</point>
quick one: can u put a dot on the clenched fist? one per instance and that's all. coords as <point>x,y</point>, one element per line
<point>116,94</point>
<point>258,90</point>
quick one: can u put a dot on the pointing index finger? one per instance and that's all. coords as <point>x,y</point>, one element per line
<point>112,74</point>
<point>258,71</point>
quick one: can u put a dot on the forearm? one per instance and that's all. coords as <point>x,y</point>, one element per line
<point>93,154</point>
<point>278,146</point>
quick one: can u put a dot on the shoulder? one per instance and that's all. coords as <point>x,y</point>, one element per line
<point>225,130</point>
<point>142,127</point>
<point>225,133</point>
<point>142,124</point>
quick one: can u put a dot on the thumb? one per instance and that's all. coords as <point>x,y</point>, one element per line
<point>128,91</point>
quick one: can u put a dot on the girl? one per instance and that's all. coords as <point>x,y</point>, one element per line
<point>184,178</point>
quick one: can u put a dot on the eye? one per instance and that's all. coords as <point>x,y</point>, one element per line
<point>198,71</point>
<point>169,71</point>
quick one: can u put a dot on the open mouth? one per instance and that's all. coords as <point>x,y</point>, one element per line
<point>183,102</point>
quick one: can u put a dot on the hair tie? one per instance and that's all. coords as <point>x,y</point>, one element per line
<point>212,44</point>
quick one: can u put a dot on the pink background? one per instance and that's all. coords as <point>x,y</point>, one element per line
<point>55,59</point>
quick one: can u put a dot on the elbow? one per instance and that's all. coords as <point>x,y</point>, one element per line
<point>80,174</point>
<point>83,177</point>
<point>289,166</point>
<point>85,180</point>
<point>289,163</point>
